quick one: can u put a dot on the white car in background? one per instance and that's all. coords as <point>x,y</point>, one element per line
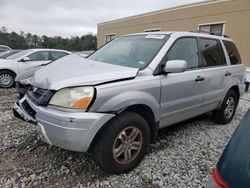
<point>24,60</point>
<point>4,48</point>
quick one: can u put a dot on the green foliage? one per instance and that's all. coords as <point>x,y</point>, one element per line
<point>25,41</point>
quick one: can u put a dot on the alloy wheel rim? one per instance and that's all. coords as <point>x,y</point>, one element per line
<point>230,105</point>
<point>6,80</point>
<point>127,145</point>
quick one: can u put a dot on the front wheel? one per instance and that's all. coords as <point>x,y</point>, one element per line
<point>225,113</point>
<point>122,144</point>
<point>7,79</point>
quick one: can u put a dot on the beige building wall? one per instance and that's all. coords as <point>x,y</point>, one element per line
<point>235,14</point>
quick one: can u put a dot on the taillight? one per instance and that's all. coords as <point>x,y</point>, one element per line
<point>218,180</point>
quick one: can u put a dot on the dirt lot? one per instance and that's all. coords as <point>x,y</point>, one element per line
<point>183,156</point>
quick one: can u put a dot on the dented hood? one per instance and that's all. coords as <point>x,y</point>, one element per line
<point>74,70</point>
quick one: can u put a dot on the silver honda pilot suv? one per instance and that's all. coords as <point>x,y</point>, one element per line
<point>113,103</point>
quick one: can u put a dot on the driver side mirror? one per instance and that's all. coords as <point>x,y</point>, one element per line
<point>175,66</point>
<point>24,59</point>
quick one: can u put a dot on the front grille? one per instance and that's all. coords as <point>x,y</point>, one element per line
<point>28,109</point>
<point>38,92</point>
<point>40,96</point>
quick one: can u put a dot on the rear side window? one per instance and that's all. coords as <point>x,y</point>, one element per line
<point>56,55</point>
<point>185,49</point>
<point>212,52</point>
<point>232,52</point>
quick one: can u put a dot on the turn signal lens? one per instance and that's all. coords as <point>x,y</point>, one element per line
<point>82,103</point>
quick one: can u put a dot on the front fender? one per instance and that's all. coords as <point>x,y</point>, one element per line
<point>126,99</point>
<point>8,65</point>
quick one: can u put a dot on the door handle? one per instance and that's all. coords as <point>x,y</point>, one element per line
<point>199,79</point>
<point>228,73</point>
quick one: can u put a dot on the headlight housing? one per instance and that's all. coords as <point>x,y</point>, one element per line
<point>75,97</point>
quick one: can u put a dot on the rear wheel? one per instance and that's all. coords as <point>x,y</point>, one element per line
<point>225,113</point>
<point>7,79</point>
<point>122,144</point>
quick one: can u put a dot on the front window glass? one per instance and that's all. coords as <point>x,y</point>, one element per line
<point>39,56</point>
<point>130,51</point>
<point>18,55</point>
<point>185,49</point>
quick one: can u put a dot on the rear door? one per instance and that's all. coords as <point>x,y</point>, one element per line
<point>216,72</point>
<point>236,67</point>
<point>182,93</point>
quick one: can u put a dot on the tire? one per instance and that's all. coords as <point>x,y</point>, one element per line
<point>108,150</point>
<point>7,79</point>
<point>225,113</point>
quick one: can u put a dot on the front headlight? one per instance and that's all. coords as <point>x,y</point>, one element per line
<point>76,97</point>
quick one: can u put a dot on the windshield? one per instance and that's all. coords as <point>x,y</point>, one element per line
<point>4,56</point>
<point>130,51</point>
<point>18,55</point>
<point>3,53</point>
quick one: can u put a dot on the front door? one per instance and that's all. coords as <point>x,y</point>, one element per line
<point>35,59</point>
<point>182,93</point>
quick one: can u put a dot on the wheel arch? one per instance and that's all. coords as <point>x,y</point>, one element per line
<point>236,89</point>
<point>13,72</point>
<point>143,110</point>
<point>147,113</point>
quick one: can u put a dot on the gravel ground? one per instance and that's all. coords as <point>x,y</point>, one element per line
<point>183,156</point>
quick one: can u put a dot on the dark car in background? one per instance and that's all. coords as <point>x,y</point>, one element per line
<point>233,168</point>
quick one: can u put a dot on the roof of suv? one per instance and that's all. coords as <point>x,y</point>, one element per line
<point>183,33</point>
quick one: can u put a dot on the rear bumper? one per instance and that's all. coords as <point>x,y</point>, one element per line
<point>69,130</point>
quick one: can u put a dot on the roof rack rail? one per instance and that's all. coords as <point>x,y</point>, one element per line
<point>210,33</point>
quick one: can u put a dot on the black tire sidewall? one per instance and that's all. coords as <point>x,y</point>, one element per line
<point>223,106</point>
<point>106,160</point>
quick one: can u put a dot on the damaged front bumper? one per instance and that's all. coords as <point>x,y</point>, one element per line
<point>70,130</point>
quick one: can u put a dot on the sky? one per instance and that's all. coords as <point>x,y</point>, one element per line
<point>68,18</point>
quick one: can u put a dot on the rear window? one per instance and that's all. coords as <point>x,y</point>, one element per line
<point>232,52</point>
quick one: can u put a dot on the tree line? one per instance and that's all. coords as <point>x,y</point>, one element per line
<point>27,40</point>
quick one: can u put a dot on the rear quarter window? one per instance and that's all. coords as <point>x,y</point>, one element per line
<point>232,52</point>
